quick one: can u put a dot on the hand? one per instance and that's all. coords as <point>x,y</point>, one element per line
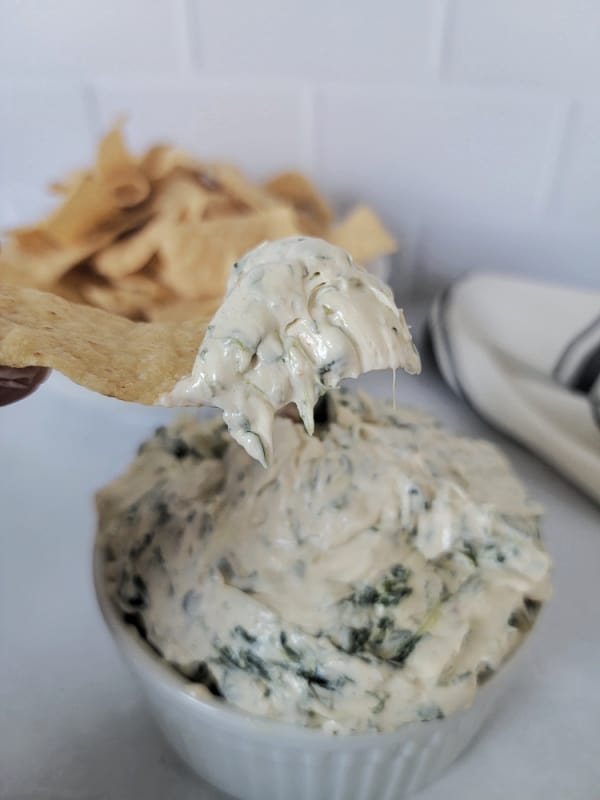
<point>15,384</point>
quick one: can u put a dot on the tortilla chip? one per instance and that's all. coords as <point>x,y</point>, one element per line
<point>142,236</point>
<point>183,309</point>
<point>196,258</point>
<point>220,205</point>
<point>82,212</point>
<point>114,299</point>
<point>160,160</point>
<point>117,169</point>
<point>313,211</point>
<point>181,196</point>
<point>129,254</point>
<point>70,182</point>
<point>33,241</point>
<point>235,184</point>
<point>86,345</point>
<point>99,196</point>
<point>363,235</point>
<point>122,222</point>
<point>33,257</point>
<point>43,268</point>
<point>69,286</point>
<point>131,296</point>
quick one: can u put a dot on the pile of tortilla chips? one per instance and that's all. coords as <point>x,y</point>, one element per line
<point>153,237</point>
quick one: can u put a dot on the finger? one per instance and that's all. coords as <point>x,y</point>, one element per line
<point>15,384</point>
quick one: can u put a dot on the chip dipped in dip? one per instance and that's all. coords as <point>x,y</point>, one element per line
<point>373,574</point>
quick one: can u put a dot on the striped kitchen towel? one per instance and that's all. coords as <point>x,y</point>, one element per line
<point>526,357</point>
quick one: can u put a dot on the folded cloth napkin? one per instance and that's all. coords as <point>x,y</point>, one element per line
<point>526,356</point>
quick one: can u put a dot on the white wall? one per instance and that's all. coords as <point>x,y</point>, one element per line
<point>472,125</point>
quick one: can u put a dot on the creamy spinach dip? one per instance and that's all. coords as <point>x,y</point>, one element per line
<point>372,574</point>
<point>298,316</point>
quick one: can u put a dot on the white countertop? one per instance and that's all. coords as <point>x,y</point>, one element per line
<point>72,724</point>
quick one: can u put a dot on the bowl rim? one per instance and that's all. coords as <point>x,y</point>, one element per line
<point>127,637</point>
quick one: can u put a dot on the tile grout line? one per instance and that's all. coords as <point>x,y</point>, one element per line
<point>92,111</point>
<point>443,17</point>
<point>417,282</point>
<point>309,116</point>
<point>189,47</point>
<point>553,166</point>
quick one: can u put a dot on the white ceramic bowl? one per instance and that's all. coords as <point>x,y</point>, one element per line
<point>254,758</point>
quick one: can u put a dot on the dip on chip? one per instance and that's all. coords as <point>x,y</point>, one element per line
<point>298,317</point>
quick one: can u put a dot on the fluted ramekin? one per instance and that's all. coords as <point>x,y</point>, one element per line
<point>253,758</point>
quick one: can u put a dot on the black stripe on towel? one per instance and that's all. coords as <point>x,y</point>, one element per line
<point>587,372</point>
<point>441,344</point>
<point>573,362</point>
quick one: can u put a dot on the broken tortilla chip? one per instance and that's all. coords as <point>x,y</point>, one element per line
<point>296,189</point>
<point>181,196</point>
<point>169,218</point>
<point>70,182</point>
<point>196,259</point>
<point>161,159</point>
<point>363,235</point>
<point>240,188</point>
<point>183,309</point>
<point>117,169</point>
<point>69,286</point>
<point>129,254</point>
<point>82,211</point>
<point>220,205</point>
<point>41,269</point>
<point>33,257</point>
<point>86,344</point>
<point>130,299</point>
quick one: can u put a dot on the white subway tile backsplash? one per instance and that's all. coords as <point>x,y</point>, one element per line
<point>22,202</point>
<point>546,43</point>
<point>473,128</point>
<point>576,196</point>
<point>316,39</point>
<point>262,127</point>
<point>44,132</point>
<point>74,37</point>
<point>560,252</point>
<point>466,155</point>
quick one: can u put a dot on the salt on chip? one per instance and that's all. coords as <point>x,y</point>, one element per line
<point>86,344</point>
<point>363,235</point>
